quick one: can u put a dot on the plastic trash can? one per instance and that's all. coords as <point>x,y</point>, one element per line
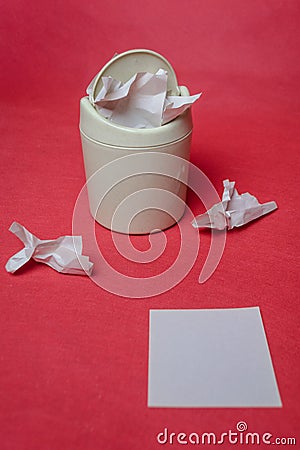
<point>109,149</point>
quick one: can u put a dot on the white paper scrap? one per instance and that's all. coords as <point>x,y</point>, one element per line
<point>210,358</point>
<point>141,102</point>
<point>63,254</point>
<point>234,210</point>
<point>176,105</point>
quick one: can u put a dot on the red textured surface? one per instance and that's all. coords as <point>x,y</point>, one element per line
<point>73,357</point>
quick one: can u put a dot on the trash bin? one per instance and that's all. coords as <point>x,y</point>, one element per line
<point>109,149</point>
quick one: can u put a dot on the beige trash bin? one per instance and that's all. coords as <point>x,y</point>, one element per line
<point>145,200</point>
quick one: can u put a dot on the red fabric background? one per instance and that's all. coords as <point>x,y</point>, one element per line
<point>73,357</point>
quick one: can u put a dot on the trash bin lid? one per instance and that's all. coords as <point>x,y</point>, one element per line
<point>124,65</point>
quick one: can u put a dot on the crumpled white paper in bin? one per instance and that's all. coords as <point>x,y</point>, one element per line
<point>234,210</point>
<point>140,102</point>
<point>63,254</point>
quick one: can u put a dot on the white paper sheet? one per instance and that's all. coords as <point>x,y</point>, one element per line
<point>63,254</point>
<point>234,210</point>
<point>141,102</point>
<point>210,358</point>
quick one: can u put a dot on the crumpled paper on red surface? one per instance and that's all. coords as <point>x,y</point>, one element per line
<point>63,254</point>
<point>234,210</point>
